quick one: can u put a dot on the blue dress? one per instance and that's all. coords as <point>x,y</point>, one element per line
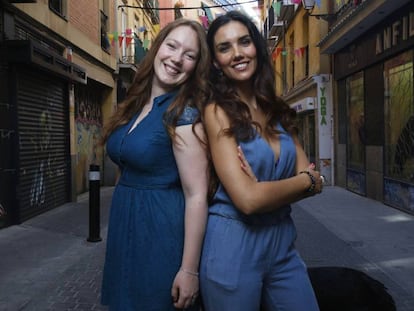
<point>248,261</point>
<point>146,225</point>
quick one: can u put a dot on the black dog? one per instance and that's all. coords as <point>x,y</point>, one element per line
<point>345,289</point>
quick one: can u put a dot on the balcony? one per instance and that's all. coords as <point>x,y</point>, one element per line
<point>151,9</point>
<point>132,55</point>
<point>278,22</point>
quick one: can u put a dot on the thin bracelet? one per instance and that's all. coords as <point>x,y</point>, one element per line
<point>189,272</point>
<point>313,182</point>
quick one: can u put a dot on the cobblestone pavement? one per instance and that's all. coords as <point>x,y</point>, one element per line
<point>46,264</point>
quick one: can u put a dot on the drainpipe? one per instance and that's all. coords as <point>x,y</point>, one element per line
<point>116,72</point>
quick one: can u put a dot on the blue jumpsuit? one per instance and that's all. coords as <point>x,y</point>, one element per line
<point>248,261</point>
<point>146,225</point>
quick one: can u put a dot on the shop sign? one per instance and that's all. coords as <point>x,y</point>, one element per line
<point>303,105</point>
<point>322,105</point>
<point>325,110</point>
<point>392,35</point>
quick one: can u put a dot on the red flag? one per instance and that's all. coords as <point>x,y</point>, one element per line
<point>276,53</point>
<point>128,41</point>
<point>204,20</point>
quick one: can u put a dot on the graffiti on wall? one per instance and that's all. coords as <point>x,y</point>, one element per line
<point>41,143</point>
<point>88,122</point>
<point>3,215</point>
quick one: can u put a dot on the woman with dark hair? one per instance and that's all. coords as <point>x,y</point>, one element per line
<point>159,206</point>
<point>249,257</point>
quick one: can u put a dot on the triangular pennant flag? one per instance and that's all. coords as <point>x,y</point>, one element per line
<point>120,38</point>
<point>204,20</point>
<point>156,28</point>
<point>146,44</point>
<point>276,53</point>
<point>128,41</point>
<point>276,7</point>
<point>111,38</point>
<point>302,51</point>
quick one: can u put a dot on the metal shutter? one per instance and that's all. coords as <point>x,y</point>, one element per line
<point>43,151</point>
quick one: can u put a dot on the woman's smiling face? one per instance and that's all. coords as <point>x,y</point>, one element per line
<point>176,58</point>
<point>235,52</point>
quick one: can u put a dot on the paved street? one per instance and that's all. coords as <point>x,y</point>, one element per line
<point>46,263</point>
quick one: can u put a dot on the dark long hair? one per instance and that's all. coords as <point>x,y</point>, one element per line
<point>193,92</point>
<point>263,82</point>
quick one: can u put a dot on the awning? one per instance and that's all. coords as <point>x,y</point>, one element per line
<point>31,52</point>
<point>304,104</point>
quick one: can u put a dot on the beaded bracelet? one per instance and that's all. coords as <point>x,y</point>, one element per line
<point>313,182</point>
<point>189,272</point>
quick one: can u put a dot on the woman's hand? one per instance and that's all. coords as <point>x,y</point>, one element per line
<point>317,180</point>
<point>245,166</point>
<point>185,289</point>
<point>317,177</point>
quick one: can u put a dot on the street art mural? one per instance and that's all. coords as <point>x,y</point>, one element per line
<point>41,143</point>
<point>88,122</point>
<point>43,162</point>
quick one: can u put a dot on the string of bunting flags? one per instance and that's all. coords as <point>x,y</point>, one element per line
<point>129,36</point>
<point>299,52</point>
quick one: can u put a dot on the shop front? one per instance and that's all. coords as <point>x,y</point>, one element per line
<point>37,174</point>
<point>375,111</point>
<point>313,104</point>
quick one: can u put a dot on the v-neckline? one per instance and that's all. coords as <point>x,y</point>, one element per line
<point>157,101</point>
<point>275,159</point>
<point>135,122</point>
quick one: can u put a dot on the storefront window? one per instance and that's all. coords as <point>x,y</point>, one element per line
<point>399,132</point>
<point>399,118</point>
<point>356,134</point>
<point>306,126</point>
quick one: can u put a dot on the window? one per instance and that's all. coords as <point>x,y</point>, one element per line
<point>356,133</point>
<point>399,118</point>
<point>58,6</point>
<point>105,43</point>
